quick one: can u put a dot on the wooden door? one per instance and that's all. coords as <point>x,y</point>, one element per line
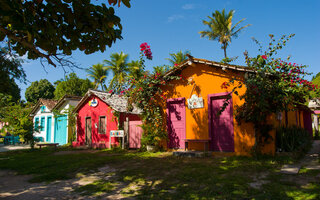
<point>49,122</point>
<point>88,131</point>
<point>60,130</point>
<point>135,133</point>
<point>176,123</point>
<point>221,126</point>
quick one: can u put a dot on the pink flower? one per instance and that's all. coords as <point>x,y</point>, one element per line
<point>110,91</point>
<point>146,50</point>
<point>264,57</point>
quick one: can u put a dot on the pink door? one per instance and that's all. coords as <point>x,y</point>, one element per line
<point>135,133</point>
<point>221,126</point>
<point>176,123</point>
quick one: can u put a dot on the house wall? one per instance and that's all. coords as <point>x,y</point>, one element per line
<point>39,114</point>
<point>208,81</point>
<point>64,110</point>
<point>102,109</point>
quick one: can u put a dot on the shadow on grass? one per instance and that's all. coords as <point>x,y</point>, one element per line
<point>161,176</point>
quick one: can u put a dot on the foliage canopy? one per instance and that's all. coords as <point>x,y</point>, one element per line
<point>50,29</point>
<point>39,89</point>
<point>72,85</point>
<point>220,28</point>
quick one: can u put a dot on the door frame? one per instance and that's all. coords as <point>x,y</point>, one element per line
<point>49,128</point>
<point>85,132</point>
<point>183,99</point>
<point>210,97</point>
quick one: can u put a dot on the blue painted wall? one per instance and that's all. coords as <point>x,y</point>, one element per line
<point>60,130</point>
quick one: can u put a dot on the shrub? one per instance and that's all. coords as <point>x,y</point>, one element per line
<point>292,139</point>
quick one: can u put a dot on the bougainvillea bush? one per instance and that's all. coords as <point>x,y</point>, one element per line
<point>274,85</point>
<point>145,93</point>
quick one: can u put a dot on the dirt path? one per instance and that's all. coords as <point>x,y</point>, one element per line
<point>311,159</point>
<point>13,187</point>
<point>4,148</point>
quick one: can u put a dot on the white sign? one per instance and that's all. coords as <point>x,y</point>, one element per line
<point>93,103</point>
<point>117,133</point>
<point>195,102</point>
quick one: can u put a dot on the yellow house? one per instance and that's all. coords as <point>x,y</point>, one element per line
<point>192,105</point>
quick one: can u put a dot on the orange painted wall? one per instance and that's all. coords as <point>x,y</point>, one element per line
<point>209,80</point>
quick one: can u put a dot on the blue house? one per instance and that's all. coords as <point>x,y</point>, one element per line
<point>43,119</point>
<point>53,127</point>
<point>62,130</point>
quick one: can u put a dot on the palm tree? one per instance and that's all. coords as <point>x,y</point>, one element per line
<point>161,69</point>
<point>135,70</point>
<point>178,58</point>
<point>118,65</point>
<point>221,29</point>
<point>98,73</point>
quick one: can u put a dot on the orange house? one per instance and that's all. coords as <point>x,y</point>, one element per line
<point>191,110</point>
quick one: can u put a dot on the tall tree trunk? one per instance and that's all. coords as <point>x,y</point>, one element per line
<point>225,50</point>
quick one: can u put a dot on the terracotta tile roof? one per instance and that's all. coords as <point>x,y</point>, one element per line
<point>49,103</point>
<point>116,102</point>
<point>65,98</point>
<point>207,62</point>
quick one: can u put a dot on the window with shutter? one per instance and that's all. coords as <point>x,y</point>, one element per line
<point>102,125</point>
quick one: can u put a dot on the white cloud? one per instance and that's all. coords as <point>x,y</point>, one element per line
<point>175,18</point>
<point>188,7</point>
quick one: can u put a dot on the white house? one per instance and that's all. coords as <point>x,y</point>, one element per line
<point>43,119</point>
<point>50,119</point>
<point>62,130</point>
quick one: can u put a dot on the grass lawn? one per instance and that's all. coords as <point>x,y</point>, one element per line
<point>162,176</point>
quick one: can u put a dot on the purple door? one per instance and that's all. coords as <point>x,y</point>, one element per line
<point>135,133</point>
<point>176,123</point>
<point>220,126</point>
<point>307,122</point>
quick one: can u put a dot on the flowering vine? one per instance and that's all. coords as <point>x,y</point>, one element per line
<point>272,86</point>
<point>146,93</point>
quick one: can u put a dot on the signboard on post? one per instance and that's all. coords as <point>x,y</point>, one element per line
<point>116,133</point>
<point>195,102</point>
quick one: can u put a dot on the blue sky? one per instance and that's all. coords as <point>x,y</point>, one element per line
<point>173,25</point>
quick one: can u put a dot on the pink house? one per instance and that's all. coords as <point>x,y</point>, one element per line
<point>99,113</point>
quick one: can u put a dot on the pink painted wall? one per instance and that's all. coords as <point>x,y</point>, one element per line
<point>102,109</point>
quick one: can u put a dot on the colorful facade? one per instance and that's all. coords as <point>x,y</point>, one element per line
<point>49,126</point>
<point>43,119</point>
<point>99,113</point>
<point>62,130</point>
<point>192,106</point>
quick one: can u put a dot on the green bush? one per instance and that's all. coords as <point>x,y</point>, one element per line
<point>292,139</point>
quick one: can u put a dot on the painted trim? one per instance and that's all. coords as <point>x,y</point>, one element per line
<point>43,126</point>
<point>184,115</point>
<point>211,96</point>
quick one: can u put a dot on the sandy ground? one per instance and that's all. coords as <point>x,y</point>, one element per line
<point>17,187</point>
<point>4,148</point>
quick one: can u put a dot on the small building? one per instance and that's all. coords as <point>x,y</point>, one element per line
<point>63,131</point>
<point>191,110</point>
<point>43,119</point>
<point>50,119</point>
<point>100,112</point>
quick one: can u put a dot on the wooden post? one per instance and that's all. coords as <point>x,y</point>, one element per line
<point>126,132</point>
<point>316,124</point>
